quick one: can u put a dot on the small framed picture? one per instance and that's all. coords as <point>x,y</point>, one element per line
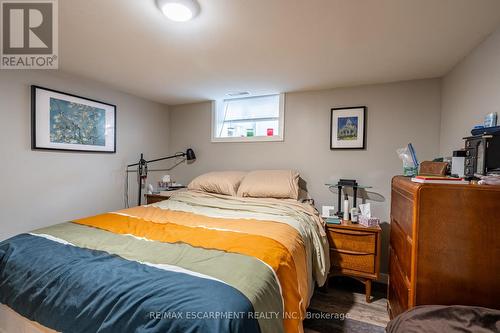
<point>348,128</point>
<point>61,121</point>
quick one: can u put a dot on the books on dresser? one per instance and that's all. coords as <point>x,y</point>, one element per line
<point>438,180</point>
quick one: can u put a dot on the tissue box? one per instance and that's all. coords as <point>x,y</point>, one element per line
<point>368,221</point>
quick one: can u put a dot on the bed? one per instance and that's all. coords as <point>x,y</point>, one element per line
<point>446,318</point>
<point>199,262</point>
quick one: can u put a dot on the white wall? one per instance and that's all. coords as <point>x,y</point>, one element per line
<point>397,113</point>
<point>39,188</point>
<point>469,92</point>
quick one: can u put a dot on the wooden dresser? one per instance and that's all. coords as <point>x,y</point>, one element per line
<point>355,252</point>
<point>444,245</point>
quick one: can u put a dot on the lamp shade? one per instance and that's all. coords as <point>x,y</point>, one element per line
<point>190,156</point>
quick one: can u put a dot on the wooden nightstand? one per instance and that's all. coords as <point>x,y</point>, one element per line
<point>355,252</point>
<point>163,195</point>
<point>152,198</point>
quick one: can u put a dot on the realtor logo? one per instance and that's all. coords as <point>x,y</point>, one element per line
<point>29,34</point>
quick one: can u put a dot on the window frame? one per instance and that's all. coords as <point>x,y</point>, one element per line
<point>276,138</point>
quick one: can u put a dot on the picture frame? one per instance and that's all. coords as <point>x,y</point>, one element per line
<point>67,122</point>
<point>348,128</point>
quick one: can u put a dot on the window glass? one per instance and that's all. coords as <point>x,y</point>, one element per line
<point>249,119</point>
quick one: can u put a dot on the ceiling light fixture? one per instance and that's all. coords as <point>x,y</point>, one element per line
<point>179,10</point>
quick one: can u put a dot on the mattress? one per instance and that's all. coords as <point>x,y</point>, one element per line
<point>196,262</point>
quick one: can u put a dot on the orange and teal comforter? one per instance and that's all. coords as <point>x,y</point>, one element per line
<point>195,263</point>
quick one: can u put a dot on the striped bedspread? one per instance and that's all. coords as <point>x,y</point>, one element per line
<point>195,263</point>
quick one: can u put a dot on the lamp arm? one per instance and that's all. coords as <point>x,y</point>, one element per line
<point>180,154</point>
<point>168,157</point>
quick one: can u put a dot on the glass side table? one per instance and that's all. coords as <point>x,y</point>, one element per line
<point>338,188</point>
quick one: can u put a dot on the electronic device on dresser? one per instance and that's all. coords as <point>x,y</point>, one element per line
<point>482,154</point>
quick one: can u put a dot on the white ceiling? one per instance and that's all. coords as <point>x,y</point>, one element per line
<point>266,46</point>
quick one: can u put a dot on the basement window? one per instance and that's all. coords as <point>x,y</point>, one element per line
<point>249,119</point>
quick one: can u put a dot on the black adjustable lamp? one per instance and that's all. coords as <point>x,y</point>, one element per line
<point>142,167</point>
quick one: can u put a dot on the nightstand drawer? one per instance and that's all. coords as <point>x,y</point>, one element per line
<point>352,240</point>
<point>360,262</point>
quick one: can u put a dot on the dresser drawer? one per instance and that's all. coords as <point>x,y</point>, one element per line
<point>402,211</point>
<point>352,240</point>
<point>401,246</point>
<point>361,262</point>
<point>398,290</point>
